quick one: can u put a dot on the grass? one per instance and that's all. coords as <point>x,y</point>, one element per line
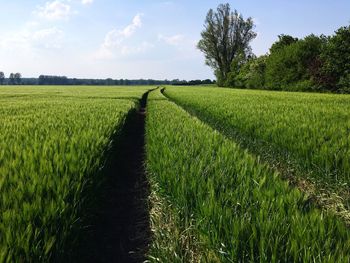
<point>306,132</point>
<point>52,145</point>
<point>212,200</point>
<point>238,210</point>
<point>171,238</point>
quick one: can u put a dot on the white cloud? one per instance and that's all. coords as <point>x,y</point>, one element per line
<point>28,39</point>
<point>174,40</point>
<point>122,51</point>
<point>184,46</point>
<point>87,2</point>
<point>47,38</point>
<point>130,29</point>
<point>114,42</point>
<point>115,37</point>
<point>56,10</point>
<point>103,53</point>
<point>143,47</point>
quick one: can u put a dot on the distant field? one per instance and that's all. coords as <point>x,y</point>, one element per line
<point>52,141</point>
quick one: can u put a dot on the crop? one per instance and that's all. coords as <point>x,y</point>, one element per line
<point>239,209</point>
<point>52,144</point>
<point>312,131</point>
<point>216,202</point>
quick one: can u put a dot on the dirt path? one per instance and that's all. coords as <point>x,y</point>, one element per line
<point>121,229</point>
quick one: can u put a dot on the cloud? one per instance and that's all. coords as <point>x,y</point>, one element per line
<point>56,10</point>
<point>178,47</point>
<point>179,42</point>
<point>114,41</point>
<point>115,37</point>
<point>47,38</point>
<point>87,2</point>
<point>28,39</point>
<point>122,50</point>
<point>174,40</point>
<point>129,50</point>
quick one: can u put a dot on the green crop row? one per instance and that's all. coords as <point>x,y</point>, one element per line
<point>52,144</point>
<point>238,209</point>
<point>310,130</point>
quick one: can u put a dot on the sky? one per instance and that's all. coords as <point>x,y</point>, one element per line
<point>141,38</point>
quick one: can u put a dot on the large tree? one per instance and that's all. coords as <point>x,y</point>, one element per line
<point>226,36</point>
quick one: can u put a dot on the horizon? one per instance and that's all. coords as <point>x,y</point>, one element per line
<point>99,39</point>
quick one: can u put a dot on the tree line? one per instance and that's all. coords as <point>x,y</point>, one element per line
<point>13,79</point>
<point>16,79</point>
<point>313,63</point>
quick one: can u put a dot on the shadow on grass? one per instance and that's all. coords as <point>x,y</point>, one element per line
<point>120,229</point>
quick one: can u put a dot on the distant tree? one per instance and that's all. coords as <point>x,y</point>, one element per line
<point>17,78</point>
<point>207,82</point>
<point>178,82</point>
<point>12,79</point>
<point>282,42</point>
<point>226,36</point>
<point>57,80</point>
<point>41,80</point>
<point>2,78</point>
<point>194,82</point>
<point>109,82</point>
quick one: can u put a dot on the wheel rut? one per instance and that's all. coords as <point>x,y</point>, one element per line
<point>120,231</point>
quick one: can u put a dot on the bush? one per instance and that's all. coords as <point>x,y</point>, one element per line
<point>336,61</point>
<point>303,85</point>
<point>344,84</point>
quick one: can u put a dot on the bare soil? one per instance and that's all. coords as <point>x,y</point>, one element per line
<point>120,230</point>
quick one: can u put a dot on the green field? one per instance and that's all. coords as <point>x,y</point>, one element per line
<point>52,141</point>
<point>307,132</point>
<point>220,164</point>
<point>239,209</point>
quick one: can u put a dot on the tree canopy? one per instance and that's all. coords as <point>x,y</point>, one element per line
<point>227,35</point>
<point>313,63</point>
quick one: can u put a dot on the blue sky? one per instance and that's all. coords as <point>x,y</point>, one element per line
<point>140,38</point>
